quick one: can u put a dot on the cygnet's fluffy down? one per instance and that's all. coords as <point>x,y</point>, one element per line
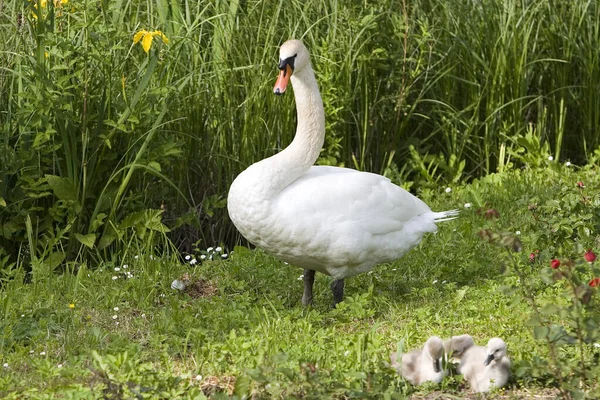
<point>486,367</point>
<point>456,346</point>
<point>422,365</point>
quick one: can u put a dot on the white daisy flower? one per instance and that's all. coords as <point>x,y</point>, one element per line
<point>448,189</point>
<point>203,257</point>
<point>42,353</point>
<point>517,233</point>
<point>114,278</point>
<point>117,269</point>
<point>5,365</point>
<point>193,261</point>
<point>116,308</point>
<point>224,256</point>
<point>550,158</point>
<point>188,257</point>
<point>218,249</point>
<point>125,266</point>
<point>136,257</point>
<point>467,205</point>
<point>568,164</point>
<point>209,249</point>
<point>115,316</point>
<point>59,366</point>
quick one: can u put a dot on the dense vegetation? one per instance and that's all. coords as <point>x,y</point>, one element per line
<point>123,123</point>
<point>99,138</point>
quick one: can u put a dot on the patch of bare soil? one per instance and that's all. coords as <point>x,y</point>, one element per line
<point>537,394</point>
<point>221,384</point>
<point>198,287</point>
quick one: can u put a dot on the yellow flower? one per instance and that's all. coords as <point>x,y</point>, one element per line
<point>71,306</point>
<point>44,4</point>
<point>146,38</point>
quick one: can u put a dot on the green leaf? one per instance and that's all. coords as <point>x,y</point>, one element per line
<point>242,251</point>
<point>54,260</point>
<point>87,240</point>
<point>549,309</point>
<point>154,165</point>
<point>540,332</point>
<point>2,202</point>
<point>62,188</point>
<point>242,386</point>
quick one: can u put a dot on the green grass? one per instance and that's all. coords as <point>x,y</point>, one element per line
<point>244,322</point>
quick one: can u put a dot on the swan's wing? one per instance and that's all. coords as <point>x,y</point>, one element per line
<point>371,202</point>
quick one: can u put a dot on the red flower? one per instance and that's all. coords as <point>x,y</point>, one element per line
<point>555,263</point>
<point>580,184</point>
<point>590,256</point>
<point>595,282</point>
<point>531,257</point>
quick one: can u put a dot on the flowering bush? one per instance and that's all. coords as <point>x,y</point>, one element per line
<point>560,282</point>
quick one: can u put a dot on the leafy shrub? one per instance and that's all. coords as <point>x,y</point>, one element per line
<point>559,279</point>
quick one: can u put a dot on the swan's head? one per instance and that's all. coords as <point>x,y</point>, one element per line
<point>457,345</point>
<point>496,349</point>
<point>293,58</point>
<point>434,348</point>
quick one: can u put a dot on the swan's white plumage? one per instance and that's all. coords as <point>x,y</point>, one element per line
<point>486,368</point>
<point>337,221</point>
<point>419,366</point>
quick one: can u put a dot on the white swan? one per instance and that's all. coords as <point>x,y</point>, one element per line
<point>422,365</point>
<point>337,221</point>
<point>486,367</point>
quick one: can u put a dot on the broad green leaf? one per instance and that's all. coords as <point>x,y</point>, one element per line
<point>154,165</point>
<point>87,240</point>
<point>54,260</point>
<point>540,332</point>
<point>62,188</point>
<point>2,202</point>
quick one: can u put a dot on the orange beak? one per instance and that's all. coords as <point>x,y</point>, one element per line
<point>282,80</point>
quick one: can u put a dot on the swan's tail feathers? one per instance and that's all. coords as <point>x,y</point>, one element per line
<point>445,215</point>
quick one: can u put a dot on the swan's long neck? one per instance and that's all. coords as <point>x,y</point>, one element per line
<point>286,166</point>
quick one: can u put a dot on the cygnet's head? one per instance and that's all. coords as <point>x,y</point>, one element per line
<point>293,59</point>
<point>434,348</point>
<point>457,345</point>
<point>496,349</point>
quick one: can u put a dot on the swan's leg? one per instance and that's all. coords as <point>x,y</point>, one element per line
<point>309,279</point>
<point>337,287</point>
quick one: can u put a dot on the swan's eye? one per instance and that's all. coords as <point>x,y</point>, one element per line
<point>288,61</point>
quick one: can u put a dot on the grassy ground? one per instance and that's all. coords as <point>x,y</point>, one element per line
<point>120,330</point>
